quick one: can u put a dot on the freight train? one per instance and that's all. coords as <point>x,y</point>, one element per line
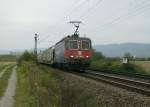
<point>71,52</point>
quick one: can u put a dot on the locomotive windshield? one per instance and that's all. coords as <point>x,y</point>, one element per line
<point>76,44</point>
<point>85,44</point>
<point>72,44</point>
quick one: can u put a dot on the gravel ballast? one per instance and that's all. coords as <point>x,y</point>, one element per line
<point>104,95</point>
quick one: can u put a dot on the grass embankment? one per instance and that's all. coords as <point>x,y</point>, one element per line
<point>36,87</point>
<point>116,66</point>
<point>4,80</point>
<point>41,86</point>
<point>144,65</point>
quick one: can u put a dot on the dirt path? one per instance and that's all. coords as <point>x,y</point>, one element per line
<point>7,100</point>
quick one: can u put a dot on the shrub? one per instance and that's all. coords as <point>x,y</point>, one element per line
<point>27,56</point>
<point>107,65</point>
<point>97,56</point>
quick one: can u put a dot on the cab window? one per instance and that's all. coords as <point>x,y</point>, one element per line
<point>86,44</point>
<point>72,44</point>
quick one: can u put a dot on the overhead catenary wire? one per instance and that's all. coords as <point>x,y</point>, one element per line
<point>95,5</point>
<point>135,12</point>
<point>117,19</point>
<point>87,11</point>
<point>58,25</point>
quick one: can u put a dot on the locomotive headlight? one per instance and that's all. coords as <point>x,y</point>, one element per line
<point>71,56</point>
<point>87,56</point>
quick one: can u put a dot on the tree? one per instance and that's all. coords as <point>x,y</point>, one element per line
<point>128,55</point>
<point>97,56</point>
<point>27,56</point>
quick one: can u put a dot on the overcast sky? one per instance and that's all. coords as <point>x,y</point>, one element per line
<point>104,21</point>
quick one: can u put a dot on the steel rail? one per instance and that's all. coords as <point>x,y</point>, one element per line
<point>123,79</point>
<point>136,75</point>
<point>126,83</point>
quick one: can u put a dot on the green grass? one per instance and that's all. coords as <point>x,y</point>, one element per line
<point>144,65</point>
<point>7,58</point>
<point>1,67</point>
<point>41,86</point>
<point>23,97</point>
<point>4,80</point>
<point>35,87</point>
<point>105,65</point>
<point>116,66</point>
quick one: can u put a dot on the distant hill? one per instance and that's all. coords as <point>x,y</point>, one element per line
<point>2,52</point>
<point>8,52</point>
<point>118,50</point>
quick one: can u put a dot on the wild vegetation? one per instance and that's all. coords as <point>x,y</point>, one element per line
<point>2,67</point>
<point>36,87</point>
<point>27,56</point>
<point>143,64</point>
<point>7,58</point>
<point>101,63</point>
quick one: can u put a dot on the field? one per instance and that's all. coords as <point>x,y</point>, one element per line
<point>7,58</point>
<point>7,62</point>
<point>144,64</point>
<point>116,66</point>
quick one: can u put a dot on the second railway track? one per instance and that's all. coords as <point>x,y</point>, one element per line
<point>138,86</point>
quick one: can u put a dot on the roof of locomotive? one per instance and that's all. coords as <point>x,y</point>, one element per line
<point>72,38</point>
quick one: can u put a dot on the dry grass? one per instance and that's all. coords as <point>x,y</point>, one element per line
<point>144,64</point>
<point>7,62</point>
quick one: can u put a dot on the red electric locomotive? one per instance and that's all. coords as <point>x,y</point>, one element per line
<point>72,52</point>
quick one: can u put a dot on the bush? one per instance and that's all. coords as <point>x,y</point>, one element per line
<point>116,66</point>
<point>132,69</point>
<point>106,65</point>
<point>97,56</point>
<point>27,56</point>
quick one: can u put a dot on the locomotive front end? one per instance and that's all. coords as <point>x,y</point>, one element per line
<point>78,52</point>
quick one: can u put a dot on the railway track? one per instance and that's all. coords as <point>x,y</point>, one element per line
<point>136,75</point>
<point>136,84</point>
<point>133,84</point>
